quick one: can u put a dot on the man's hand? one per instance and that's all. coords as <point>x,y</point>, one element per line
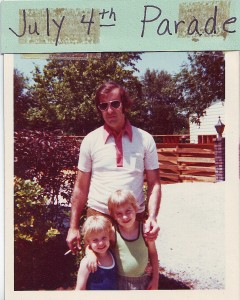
<point>73,239</point>
<point>151,229</point>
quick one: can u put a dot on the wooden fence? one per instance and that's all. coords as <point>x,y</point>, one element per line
<point>180,161</point>
<point>186,162</point>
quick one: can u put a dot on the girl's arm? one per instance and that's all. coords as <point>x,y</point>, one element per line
<point>82,276</point>
<point>153,256</point>
<point>91,259</point>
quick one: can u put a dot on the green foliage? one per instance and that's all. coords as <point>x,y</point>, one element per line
<point>21,100</point>
<point>51,233</point>
<point>46,163</point>
<point>38,244</point>
<point>31,214</point>
<point>201,82</point>
<point>160,113</point>
<point>48,158</point>
<point>63,95</point>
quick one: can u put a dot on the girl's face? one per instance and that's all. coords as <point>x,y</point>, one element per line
<point>99,242</point>
<point>125,215</point>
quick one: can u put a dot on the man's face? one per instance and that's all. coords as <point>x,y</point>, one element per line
<point>113,117</point>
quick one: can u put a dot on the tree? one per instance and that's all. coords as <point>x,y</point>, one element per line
<point>63,95</point>
<point>161,113</point>
<point>201,82</point>
<point>21,100</point>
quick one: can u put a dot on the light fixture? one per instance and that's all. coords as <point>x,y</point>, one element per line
<point>219,128</point>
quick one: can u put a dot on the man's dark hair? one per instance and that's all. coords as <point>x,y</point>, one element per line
<point>107,87</point>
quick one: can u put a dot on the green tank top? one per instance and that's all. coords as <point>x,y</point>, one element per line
<point>131,256</point>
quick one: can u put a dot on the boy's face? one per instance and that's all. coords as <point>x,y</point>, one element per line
<point>125,215</point>
<point>99,242</point>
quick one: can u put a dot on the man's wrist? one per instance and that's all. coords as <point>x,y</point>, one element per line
<point>73,228</point>
<point>152,216</point>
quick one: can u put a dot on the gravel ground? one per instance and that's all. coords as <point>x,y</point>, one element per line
<point>191,239</point>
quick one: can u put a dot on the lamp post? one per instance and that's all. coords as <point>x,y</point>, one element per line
<point>219,128</point>
<point>219,147</point>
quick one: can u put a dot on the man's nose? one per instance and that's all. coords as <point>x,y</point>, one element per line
<point>109,109</point>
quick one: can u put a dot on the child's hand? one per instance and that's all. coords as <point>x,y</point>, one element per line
<point>92,261</point>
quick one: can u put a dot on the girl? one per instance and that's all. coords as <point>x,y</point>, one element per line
<point>96,232</point>
<point>131,250</point>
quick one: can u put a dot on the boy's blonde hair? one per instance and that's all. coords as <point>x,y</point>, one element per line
<point>119,198</point>
<point>94,225</point>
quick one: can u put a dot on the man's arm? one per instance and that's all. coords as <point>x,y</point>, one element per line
<point>154,200</point>
<point>79,198</point>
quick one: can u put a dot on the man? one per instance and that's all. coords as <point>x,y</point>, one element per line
<point>115,156</point>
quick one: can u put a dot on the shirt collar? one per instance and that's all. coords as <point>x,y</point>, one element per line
<point>107,131</point>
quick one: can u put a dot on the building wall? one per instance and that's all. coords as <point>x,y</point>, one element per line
<point>208,122</point>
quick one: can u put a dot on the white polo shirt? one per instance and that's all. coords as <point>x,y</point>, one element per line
<point>98,155</point>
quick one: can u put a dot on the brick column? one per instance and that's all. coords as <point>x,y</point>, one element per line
<point>219,147</point>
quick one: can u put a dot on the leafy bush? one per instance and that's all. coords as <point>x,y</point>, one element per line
<point>39,245</point>
<point>48,158</point>
<point>31,222</point>
<point>45,167</point>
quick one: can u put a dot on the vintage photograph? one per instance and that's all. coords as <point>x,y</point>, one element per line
<point>119,171</point>
<point>120,152</point>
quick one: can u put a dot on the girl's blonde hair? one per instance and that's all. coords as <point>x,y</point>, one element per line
<point>119,198</point>
<point>94,225</point>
